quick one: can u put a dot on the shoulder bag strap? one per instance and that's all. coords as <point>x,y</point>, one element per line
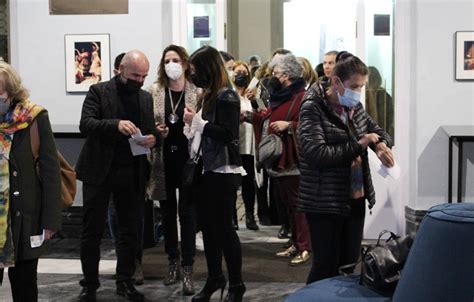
<point>35,139</point>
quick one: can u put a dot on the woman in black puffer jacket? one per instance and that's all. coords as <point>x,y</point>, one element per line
<point>334,133</point>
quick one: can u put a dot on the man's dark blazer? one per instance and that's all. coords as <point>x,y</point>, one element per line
<point>99,122</point>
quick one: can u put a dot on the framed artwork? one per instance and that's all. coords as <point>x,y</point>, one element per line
<point>87,61</point>
<point>464,55</point>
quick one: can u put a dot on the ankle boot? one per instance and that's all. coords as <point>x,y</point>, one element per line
<point>250,222</point>
<point>188,282</point>
<point>212,284</point>
<point>173,273</point>
<point>235,293</point>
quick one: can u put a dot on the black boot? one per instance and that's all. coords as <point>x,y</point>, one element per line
<point>87,295</point>
<point>283,233</point>
<point>235,293</point>
<point>126,289</point>
<point>236,223</point>
<point>250,222</point>
<point>212,284</point>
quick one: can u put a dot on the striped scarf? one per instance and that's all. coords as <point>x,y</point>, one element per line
<point>17,119</point>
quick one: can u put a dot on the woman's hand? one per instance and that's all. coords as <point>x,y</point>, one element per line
<point>279,126</point>
<point>189,114</point>
<point>48,234</point>
<point>250,94</point>
<point>163,130</point>
<point>385,155</point>
<point>369,138</point>
<point>148,142</point>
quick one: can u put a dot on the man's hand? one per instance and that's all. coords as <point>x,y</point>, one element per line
<point>163,130</point>
<point>127,127</point>
<point>48,234</point>
<point>189,114</point>
<point>385,155</point>
<point>149,142</point>
<point>279,126</point>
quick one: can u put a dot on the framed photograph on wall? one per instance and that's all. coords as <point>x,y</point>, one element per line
<point>464,55</point>
<point>87,61</point>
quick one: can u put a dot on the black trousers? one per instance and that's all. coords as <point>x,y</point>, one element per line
<point>23,280</point>
<point>128,200</point>
<point>215,209</point>
<point>280,204</point>
<point>335,240</point>
<point>181,205</point>
<point>248,183</point>
<point>185,208</point>
<point>266,200</point>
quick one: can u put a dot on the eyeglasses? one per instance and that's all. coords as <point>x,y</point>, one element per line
<point>275,73</point>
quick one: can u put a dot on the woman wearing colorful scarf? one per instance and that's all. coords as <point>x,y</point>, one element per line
<point>30,193</point>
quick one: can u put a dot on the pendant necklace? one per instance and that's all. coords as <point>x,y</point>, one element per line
<point>173,117</point>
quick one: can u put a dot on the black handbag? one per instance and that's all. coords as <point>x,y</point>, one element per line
<point>382,263</point>
<point>189,169</point>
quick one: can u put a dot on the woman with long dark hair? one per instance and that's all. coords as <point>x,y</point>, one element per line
<point>172,92</point>
<point>214,131</point>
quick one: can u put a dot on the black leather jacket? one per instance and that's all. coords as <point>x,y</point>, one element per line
<point>327,151</point>
<point>220,137</point>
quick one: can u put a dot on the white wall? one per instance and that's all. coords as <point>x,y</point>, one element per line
<point>37,49</point>
<point>428,96</point>
<point>254,26</point>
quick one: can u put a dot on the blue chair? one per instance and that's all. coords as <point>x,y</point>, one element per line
<point>440,266</point>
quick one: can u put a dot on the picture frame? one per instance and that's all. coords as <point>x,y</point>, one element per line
<point>87,60</point>
<point>464,54</point>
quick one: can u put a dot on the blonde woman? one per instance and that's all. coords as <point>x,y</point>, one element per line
<point>28,207</point>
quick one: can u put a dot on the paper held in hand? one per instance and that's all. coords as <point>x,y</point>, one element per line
<point>37,240</point>
<point>136,148</point>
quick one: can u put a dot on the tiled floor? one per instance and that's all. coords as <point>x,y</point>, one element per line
<point>58,278</point>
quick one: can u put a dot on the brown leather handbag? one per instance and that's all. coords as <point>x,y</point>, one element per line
<point>68,175</point>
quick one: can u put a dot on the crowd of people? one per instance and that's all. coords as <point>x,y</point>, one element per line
<point>204,119</point>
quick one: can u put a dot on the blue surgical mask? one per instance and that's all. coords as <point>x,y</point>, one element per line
<point>350,98</point>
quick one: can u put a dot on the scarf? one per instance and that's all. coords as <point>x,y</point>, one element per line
<point>357,172</point>
<point>17,119</point>
<point>281,96</point>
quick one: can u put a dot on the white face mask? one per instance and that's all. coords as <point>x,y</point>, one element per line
<point>173,70</point>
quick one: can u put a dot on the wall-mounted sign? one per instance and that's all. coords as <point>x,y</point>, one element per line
<point>201,27</point>
<point>82,7</point>
<point>381,25</point>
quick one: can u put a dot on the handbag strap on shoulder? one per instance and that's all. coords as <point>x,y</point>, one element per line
<point>35,139</point>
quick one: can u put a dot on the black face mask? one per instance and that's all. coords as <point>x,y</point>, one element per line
<point>274,85</point>
<point>241,80</point>
<point>199,81</point>
<point>132,85</point>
